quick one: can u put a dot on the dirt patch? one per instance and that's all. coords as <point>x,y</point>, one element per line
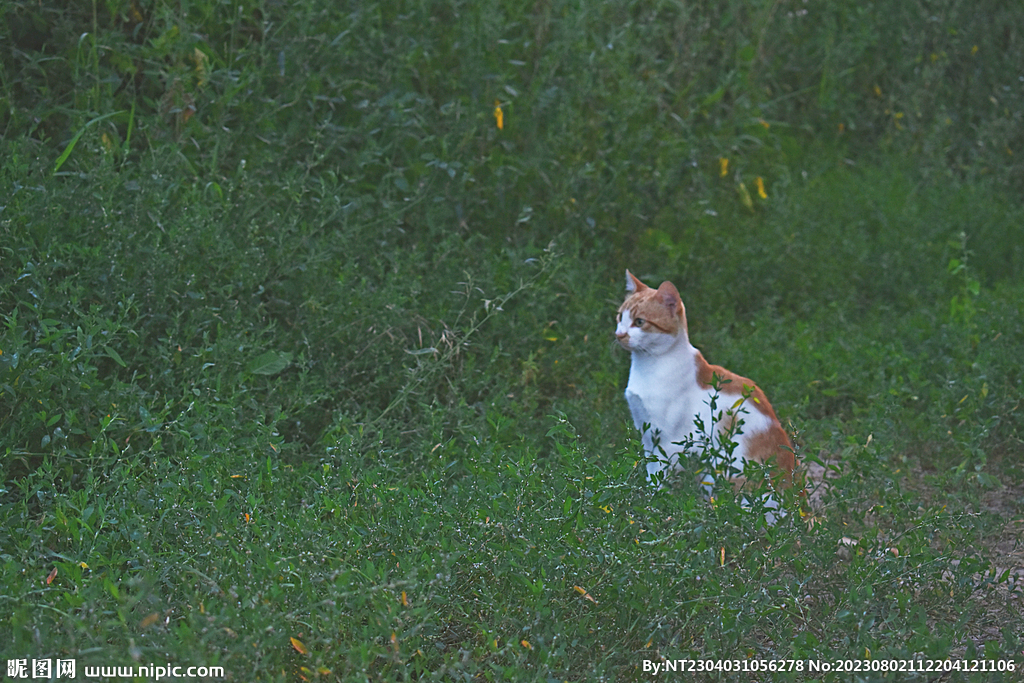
<point>999,594</point>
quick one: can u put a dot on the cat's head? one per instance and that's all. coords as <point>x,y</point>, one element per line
<point>650,320</point>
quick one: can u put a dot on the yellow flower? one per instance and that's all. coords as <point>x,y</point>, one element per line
<point>498,115</point>
<point>760,188</point>
<point>723,167</point>
<point>974,50</point>
<point>878,91</point>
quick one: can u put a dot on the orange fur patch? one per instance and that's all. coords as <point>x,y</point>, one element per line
<point>765,446</point>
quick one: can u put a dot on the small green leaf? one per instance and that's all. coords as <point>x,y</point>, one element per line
<point>114,354</point>
<point>9,361</point>
<point>714,97</point>
<point>269,363</point>
<point>988,481</point>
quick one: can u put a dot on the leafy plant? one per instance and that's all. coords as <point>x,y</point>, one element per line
<point>292,381</point>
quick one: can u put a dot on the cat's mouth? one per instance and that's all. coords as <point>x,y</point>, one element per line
<point>623,340</point>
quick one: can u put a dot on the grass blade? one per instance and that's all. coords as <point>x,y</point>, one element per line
<point>74,141</point>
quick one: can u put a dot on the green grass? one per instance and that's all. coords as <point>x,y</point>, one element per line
<point>306,366</point>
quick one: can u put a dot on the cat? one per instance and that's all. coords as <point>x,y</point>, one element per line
<point>671,388</point>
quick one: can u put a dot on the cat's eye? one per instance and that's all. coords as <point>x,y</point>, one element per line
<point>639,322</point>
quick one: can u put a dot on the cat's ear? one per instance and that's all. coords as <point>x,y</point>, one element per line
<point>668,296</point>
<point>633,284</point>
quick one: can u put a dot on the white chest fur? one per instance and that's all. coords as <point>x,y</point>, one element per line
<point>663,392</point>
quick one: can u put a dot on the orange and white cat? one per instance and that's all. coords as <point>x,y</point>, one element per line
<point>671,389</point>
